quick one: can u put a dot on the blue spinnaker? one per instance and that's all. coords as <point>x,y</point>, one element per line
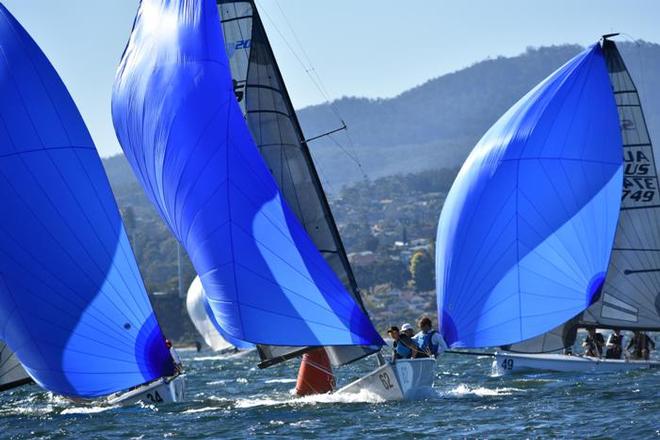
<point>526,232</point>
<point>238,343</point>
<point>179,123</point>
<point>72,304</point>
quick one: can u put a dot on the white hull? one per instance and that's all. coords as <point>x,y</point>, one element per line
<point>507,363</point>
<point>158,392</point>
<point>405,379</point>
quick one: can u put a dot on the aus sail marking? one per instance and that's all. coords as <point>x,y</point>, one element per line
<point>639,186</point>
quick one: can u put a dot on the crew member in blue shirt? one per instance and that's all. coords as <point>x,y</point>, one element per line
<point>403,346</point>
<point>429,341</point>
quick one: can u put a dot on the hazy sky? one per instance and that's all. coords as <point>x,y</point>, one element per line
<point>373,48</point>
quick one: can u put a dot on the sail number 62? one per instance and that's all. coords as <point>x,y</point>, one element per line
<point>386,381</point>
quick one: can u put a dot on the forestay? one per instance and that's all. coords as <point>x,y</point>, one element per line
<point>526,232</point>
<point>72,304</point>
<point>12,373</point>
<point>180,125</point>
<point>264,101</point>
<point>631,295</point>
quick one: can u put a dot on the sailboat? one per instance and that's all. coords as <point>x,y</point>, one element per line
<point>265,103</point>
<point>217,147</point>
<point>12,373</point>
<point>552,223</point>
<point>73,307</point>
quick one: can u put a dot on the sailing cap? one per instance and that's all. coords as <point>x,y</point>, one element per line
<point>406,326</point>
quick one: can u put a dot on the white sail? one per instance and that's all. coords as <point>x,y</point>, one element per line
<point>12,373</point>
<point>195,304</point>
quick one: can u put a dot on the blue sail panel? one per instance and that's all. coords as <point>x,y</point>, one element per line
<point>526,232</point>
<point>72,303</point>
<point>179,123</point>
<point>242,345</point>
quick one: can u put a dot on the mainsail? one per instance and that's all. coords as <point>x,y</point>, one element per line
<point>631,295</point>
<point>180,125</point>
<point>525,236</point>
<point>265,103</point>
<point>12,373</point>
<point>73,306</point>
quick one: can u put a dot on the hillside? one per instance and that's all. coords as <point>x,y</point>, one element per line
<point>437,123</point>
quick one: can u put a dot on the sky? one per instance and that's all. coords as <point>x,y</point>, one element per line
<point>370,48</point>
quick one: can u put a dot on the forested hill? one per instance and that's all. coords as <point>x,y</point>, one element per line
<point>436,124</point>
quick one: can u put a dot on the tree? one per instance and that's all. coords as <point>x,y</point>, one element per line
<point>371,243</point>
<point>422,271</point>
<point>128,215</point>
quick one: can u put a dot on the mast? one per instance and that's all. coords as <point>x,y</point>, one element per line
<point>630,298</point>
<point>265,101</point>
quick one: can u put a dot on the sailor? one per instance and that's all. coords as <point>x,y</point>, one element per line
<point>402,350</point>
<point>407,333</point>
<point>175,356</point>
<point>593,343</point>
<point>614,345</point>
<point>641,344</point>
<point>429,341</point>
<point>407,330</point>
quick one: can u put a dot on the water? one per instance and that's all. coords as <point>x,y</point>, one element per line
<point>230,398</point>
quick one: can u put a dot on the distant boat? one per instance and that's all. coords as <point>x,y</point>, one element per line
<point>73,307</point>
<point>552,223</point>
<point>203,320</point>
<point>222,157</point>
<point>12,373</point>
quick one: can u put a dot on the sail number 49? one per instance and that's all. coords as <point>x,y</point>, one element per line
<point>155,397</point>
<point>507,364</point>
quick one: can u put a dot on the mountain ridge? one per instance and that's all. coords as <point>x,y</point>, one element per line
<point>436,124</point>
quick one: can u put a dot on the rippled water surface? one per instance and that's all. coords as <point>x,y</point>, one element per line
<point>231,398</point>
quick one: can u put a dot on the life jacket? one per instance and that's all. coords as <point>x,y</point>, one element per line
<point>401,350</point>
<point>427,342</point>
<point>615,351</point>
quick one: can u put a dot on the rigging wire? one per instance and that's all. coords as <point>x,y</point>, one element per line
<point>640,59</point>
<point>315,78</point>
